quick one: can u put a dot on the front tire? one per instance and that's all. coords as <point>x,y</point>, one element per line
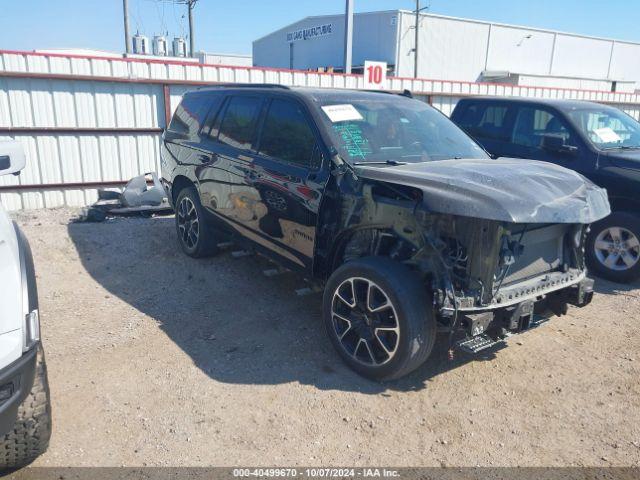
<point>31,433</point>
<point>195,234</point>
<point>613,247</point>
<point>379,318</point>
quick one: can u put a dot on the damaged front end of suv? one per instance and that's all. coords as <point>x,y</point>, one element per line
<point>499,243</point>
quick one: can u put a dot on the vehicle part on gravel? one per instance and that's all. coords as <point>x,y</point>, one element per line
<point>137,192</point>
<point>613,247</point>
<point>195,235</point>
<point>137,198</point>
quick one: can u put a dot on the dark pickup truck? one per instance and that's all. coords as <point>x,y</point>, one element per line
<point>600,142</point>
<point>408,224</point>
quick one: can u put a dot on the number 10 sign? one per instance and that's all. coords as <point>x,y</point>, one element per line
<point>375,75</point>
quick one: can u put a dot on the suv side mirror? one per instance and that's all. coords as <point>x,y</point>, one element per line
<point>12,157</point>
<point>553,142</point>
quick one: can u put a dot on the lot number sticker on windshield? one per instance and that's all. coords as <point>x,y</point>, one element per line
<point>342,113</point>
<point>607,135</point>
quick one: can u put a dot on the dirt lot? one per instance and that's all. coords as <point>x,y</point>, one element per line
<point>158,359</point>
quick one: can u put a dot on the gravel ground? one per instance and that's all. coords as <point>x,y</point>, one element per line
<point>158,359</point>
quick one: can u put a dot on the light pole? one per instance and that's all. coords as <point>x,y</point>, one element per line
<point>417,32</point>
<point>348,35</point>
<point>127,39</point>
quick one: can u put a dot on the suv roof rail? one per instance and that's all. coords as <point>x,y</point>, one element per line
<point>245,85</point>
<point>404,93</point>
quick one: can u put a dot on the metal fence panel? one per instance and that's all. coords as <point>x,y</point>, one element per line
<point>86,121</point>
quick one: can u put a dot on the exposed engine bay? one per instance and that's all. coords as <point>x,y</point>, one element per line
<point>484,274</point>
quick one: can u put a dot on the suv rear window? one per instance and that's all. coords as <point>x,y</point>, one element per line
<point>190,114</point>
<point>485,121</point>
<point>239,124</point>
<point>286,134</point>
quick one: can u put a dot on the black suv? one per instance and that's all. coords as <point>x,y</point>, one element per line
<point>404,219</point>
<point>600,142</point>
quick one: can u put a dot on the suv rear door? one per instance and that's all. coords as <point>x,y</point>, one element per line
<point>228,138</point>
<point>182,137</point>
<point>289,178</point>
<point>267,190</point>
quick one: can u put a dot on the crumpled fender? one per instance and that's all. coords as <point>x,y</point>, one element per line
<point>505,189</point>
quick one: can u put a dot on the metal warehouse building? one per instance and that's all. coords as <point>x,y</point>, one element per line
<point>456,49</point>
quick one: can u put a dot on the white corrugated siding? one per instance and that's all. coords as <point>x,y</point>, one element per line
<point>114,93</point>
<point>68,158</point>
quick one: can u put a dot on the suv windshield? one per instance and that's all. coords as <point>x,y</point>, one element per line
<point>370,128</point>
<point>607,128</point>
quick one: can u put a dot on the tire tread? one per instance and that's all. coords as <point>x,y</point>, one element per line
<point>32,431</point>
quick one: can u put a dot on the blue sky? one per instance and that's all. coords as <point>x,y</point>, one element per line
<point>230,25</point>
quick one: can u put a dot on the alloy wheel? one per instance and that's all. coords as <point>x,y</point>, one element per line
<point>617,248</point>
<point>365,321</point>
<point>188,222</point>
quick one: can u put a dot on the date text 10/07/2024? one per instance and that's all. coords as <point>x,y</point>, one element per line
<point>317,472</point>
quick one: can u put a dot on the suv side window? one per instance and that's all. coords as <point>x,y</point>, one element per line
<point>190,114</point>
<point>216,100</point>
<point>485,120</point>
<point>532,124</point>
<point>238,127</point>
<point>287,135</point>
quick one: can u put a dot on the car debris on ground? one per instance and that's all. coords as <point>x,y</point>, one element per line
<point>143,195</point>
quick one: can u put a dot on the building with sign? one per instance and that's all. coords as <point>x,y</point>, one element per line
<point>455,49</point>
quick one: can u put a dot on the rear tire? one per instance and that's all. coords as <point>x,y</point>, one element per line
<point>619,263</point>
<point>195,233</point>
<point>31,433</point>
<point>378,315</point>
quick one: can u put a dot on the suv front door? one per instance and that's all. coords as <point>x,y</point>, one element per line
<point>532,129</point>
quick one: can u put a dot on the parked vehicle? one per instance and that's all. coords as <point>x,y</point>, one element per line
<point>25,411</point>
<point>600,142</point>
<point>409,225</point>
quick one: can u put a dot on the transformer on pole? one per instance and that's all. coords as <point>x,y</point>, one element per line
<point>190,6</point>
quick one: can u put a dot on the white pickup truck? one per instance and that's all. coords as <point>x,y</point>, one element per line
<point>25,409</point>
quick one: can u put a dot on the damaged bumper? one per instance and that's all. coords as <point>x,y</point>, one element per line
<point>487,327</point>
<point>526,291</point>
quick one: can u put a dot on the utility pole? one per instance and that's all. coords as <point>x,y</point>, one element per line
<point>190,5</point>
<point>127,38</point>
<point>348,36</point>
<point>415,60</point>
